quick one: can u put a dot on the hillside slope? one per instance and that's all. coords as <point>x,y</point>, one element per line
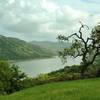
<point>52,46</point>
<point>13,48</point>
<point>88,89</point>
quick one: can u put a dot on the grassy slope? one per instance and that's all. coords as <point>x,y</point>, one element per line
<point>74,90</point>
<point>16,49</point>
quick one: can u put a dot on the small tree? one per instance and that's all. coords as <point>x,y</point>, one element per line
<point>88,48</point>
<point>11,78</point>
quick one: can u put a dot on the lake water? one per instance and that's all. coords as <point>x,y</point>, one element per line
<point>38,66</point>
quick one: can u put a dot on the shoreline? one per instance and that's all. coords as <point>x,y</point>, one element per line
<point>20,60</point>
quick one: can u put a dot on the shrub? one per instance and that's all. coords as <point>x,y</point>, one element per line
<point>11,78</point>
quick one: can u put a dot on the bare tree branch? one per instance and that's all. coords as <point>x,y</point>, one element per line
<point>89,46</point>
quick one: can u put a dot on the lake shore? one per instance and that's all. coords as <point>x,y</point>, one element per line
<point>35,67</point>
<point>20,60</point>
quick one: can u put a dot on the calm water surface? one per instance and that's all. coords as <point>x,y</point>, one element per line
<point>38,66</point>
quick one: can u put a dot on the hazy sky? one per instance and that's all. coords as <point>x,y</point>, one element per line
<point>45,19</point>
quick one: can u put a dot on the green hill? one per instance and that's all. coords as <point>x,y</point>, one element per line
<point>88,89</point>
<point>52,46</point>
<point>13,48</point>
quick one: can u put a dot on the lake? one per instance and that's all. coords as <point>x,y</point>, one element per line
<point>35,67</point>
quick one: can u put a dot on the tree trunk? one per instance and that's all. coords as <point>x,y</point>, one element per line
<point>83,69</point>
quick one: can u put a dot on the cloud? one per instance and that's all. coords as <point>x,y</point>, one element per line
<point>44,19</point>
<point>91,1</point>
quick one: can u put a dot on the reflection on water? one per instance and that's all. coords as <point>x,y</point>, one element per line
<point>37,66</point>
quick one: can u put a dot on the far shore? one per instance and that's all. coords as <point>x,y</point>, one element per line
<point>20,60</point>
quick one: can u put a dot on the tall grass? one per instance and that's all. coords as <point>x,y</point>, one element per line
<point>88,89</point>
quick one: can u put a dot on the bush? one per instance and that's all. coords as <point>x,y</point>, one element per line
<point>12,79</point>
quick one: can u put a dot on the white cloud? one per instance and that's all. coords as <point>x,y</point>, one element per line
<point>11,1</point>
<point>22,3</point>
<point>49,6</point>
<point>44,18</point>
<point>96,19</point>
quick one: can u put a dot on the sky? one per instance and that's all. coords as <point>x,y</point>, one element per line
<point>44,20</point>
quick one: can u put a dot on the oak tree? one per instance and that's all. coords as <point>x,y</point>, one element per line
<point>86,48</point>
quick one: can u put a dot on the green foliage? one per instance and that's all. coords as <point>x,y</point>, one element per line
<point>12,49</point>
<point>12,79</point>
<point>88,89</point>
<point>5,76</point>
<point>88,49</point>
<point>96,33</point>
<point>66,74</point>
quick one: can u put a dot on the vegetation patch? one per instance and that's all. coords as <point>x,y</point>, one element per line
<point>87,89</point>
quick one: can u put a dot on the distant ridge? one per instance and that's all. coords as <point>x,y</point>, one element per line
<point>52,46</point>
<point>14,49</point>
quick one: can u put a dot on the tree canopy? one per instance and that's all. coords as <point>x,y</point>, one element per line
<point>10,78</point>
<point>87,48</point>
